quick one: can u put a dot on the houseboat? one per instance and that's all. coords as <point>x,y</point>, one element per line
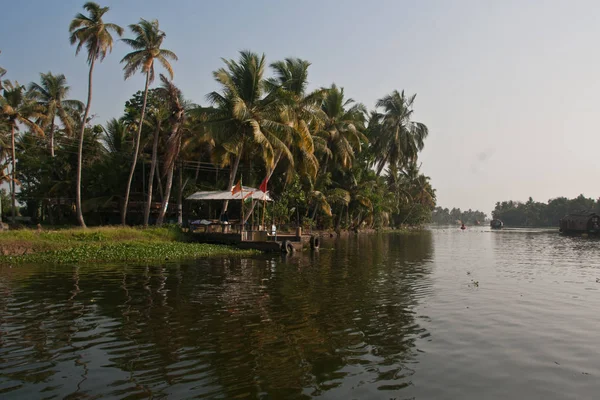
<point>496,224</point>
<point>582,222</point>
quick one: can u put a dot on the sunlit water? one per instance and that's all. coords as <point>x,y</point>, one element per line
<point>442,314</point>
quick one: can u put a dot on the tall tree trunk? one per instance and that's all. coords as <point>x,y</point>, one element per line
<point>232,175</point>
<point>338,225</point>
<point>182,186</point>
<point>135,153</point>
<point>160,186</point>
<point>277,159</point>
<point>314,214</point>
<point>151,176</point>
<point>51,137</point>
<point>80,149</point>
<point>165,203</point>
<point>381,165</point>
<point>14,175</point>
<point>180,197</point>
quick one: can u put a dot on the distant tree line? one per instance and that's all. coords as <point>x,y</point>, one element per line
<point>537,214</point>
<point>445,216</point>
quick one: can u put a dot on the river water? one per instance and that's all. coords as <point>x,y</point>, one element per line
<point>441,314</point>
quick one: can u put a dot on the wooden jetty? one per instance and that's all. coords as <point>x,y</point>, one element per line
<point>259,240</point>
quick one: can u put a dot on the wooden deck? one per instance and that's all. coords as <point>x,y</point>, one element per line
<point>252,240</point>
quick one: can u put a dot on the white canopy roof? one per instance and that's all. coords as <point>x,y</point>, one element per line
<point>226,195</point>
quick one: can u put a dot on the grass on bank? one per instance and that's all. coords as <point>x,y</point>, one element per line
<point>106,244</point>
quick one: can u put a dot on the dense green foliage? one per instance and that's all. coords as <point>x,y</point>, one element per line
<point>66,237</point>
<point>330,162</point>
<point>104,245</point>
<point>533,213</point>
<point>444,216</point>
<point>123,252</point>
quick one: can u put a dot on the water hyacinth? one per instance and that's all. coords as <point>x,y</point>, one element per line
<point>116,252</point>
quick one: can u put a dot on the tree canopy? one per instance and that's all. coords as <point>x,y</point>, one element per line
<point>328,160</point>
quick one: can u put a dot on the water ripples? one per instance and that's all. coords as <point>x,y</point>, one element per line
<point>319,324</point>
<point>442,314</point>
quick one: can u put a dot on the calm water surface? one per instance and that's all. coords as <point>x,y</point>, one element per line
<point>442,314</point>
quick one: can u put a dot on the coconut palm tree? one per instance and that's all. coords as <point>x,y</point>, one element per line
<point>340,135</point>
<point>115,135</point>
<point>177,115</point>
<point>51,94</point>
<point>158,118</point>
<point>19,107</point>
<point>2,73</point>
<point>244,118</point>
<point>90,31</point>
<point>146,46</point>
<point>400,139</point>
<point>299,110</point>
<point>343,122</point>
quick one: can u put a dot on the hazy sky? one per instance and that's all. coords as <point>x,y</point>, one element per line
<point>508,89</point>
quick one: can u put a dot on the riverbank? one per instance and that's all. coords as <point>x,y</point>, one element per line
<point>368,231</point>
<point>107,244</point>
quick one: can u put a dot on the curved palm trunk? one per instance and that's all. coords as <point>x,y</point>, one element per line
<point>151,176</point>
<point>381,166</point>
<point>232,175</point>
<point>182,186</point>
<point>338,225</point>
<point>14,170</point>
<point>160,185</point>
<point>177,122</point>
<point>314,214</point>
<point>165,203</point>
<point>80,149</point>
<point>135,153</point>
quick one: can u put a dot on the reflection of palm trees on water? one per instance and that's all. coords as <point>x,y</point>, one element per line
<point>312,323</point>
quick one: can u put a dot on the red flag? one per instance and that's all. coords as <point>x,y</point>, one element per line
<point>263,185</point>
<point>237,188</point>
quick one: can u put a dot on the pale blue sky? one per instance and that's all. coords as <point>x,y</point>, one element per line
<point>509,89</point>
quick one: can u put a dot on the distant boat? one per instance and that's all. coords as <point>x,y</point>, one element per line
<point>581,222</point>
<point>496,224</point>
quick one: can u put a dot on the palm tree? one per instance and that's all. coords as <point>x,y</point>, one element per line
<point>115,135</point>
<point>92,32</point>
<point>342,128</point>
<point>158,118</point>
<point>243,119</point>
<point>400,139</point>
<point>18,107</point>
<point>2,73</point>
<point>176,105</point>
<point>299,110</point>
<point>146,46</point>
<point>51,94</point>
<point>340,135</point>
